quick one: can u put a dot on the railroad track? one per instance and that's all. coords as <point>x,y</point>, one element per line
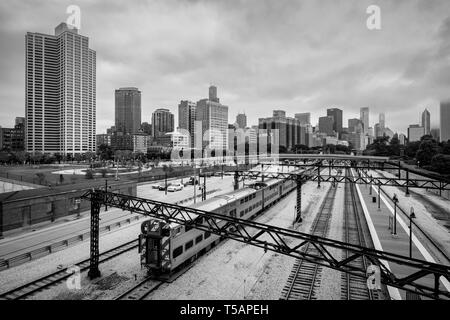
<point>353,287</point>
<point>305,276</point>
<point>141,290</point>
<point>54,278</point>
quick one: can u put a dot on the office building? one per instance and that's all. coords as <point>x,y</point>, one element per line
<point>128,110</point>
<point>337,118</point>
<point>285,130</point>
<point>241,120</point>
<point>426,121</point>
<point>364,117</point>
<point>444,120</point>
<point>415,132</point>
<point>304,118</point>
<point>60,92</point>
<point>355,125</point>
<point>186,118</point>
<point>435,134</point>
<point>326,125</point>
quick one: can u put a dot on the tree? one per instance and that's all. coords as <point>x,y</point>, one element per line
<point>428,148</point>
<point>412,148</point>
<point>379,146</point>
<point>394,146</point>
<point>445,147</point>
<point>441,164</point>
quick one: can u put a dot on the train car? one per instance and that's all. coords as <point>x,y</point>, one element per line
<point>167,247</point>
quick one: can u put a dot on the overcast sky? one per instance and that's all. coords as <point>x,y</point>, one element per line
<point>300,56</point>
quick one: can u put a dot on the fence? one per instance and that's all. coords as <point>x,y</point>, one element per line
<point>60,245</point>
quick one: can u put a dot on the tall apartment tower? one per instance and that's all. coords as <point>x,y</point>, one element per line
<point>426,121</point>
<point>186,118</point>
<point>128,110</point>
<point>364,117</point>
<point>241,120</point>
<point>445,120</point>
<point>60,89</point>
<point>162,122</point>
<point>214,118</point>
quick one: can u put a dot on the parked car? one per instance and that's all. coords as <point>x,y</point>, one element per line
<point>175,187</point>
<point>192,181</point>
<point>162,186</point>
<point>155,186</point>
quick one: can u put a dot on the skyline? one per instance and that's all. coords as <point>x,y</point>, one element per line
<point>223,46</point>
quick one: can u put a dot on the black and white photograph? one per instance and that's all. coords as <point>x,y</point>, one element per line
<point>225,158</point>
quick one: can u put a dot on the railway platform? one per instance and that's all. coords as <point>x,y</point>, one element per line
<point>381,223</point>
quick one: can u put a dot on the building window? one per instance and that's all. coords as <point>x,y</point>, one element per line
<point>199,239</point>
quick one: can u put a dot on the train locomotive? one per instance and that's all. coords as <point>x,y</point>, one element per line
<point>167,247</point>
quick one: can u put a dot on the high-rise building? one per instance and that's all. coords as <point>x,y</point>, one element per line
<point>326,125</point>
<point>415,132</point>
<point>355,126</point>
<point>382,122</point>
<point>241,120</point>
<point>364,117</point>
<point>445,121</point>
<point>377,130</point>
<point>214,118</point>
<point>304,118</point>
<point>128,110</point>
<point>426,121</point>
<point>162,122</point>
<point>435,134</point>
<point>289,129</point>
<point>337,118</point>
<point>186,118</point>
<point>213,94</point>
<point>60,89</point>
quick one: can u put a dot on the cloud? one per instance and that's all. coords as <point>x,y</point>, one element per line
<point>262,54</point>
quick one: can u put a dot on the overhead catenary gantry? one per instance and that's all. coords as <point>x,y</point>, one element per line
<point>276,239</point>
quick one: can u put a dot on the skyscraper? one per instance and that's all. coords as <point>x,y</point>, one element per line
<point>60,89</point>
<point>364,117</point>
<point>355,125</point>
<point>382,123</point>
<point>286,131</point>
<point>445,120</point>
<point>326,125</point>
<point>241,120</point>
<point>304,118</point>
<point>415,132</point>
<point>426,121</point>
<point>128,110</point>
<point>186,118</point>
<point>337,118</point>
<point>214,118</point>
<point>162,122</point>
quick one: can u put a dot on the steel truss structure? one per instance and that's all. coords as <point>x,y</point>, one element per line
<point>280,240</point>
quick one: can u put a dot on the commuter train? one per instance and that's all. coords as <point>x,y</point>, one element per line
<point>166,247</point>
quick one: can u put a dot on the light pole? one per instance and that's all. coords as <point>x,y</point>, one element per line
<point>379,194</point>
<point>395,200</point>
<point>411,216</point>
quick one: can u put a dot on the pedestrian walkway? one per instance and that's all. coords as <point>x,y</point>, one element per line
<point>380,218</point>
